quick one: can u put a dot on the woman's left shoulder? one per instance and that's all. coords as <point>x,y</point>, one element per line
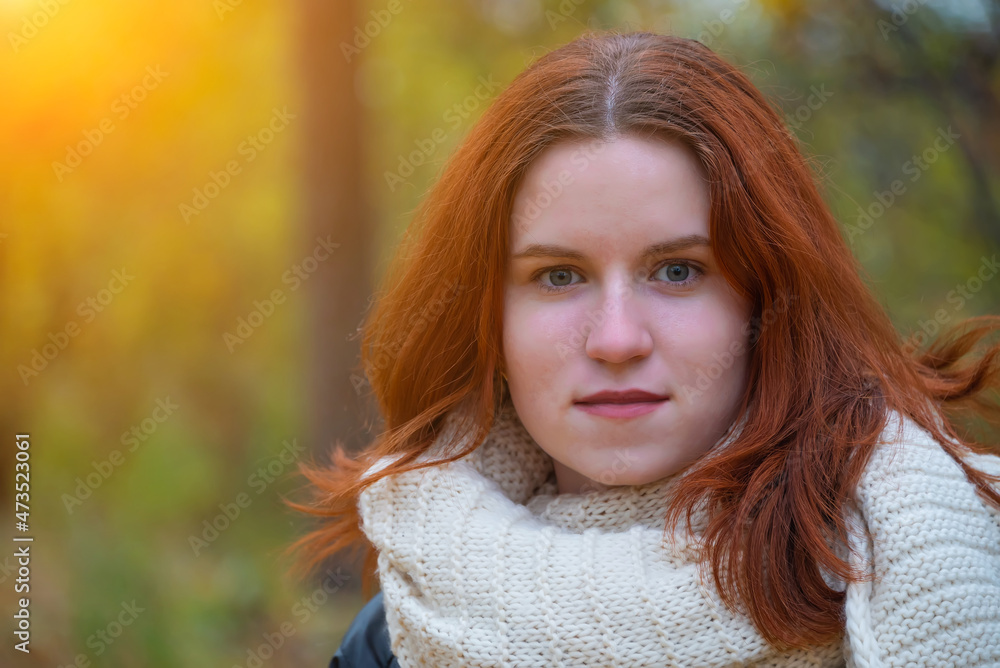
<point>909,461</point>
<point>916,500</point>
<point>933,545</point>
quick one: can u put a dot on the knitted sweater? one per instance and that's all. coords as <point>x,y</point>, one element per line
<point>482,563</point>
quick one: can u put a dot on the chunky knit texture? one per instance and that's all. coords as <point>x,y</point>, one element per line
<point>482,563</point>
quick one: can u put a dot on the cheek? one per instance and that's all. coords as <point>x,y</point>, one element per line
<point>709,341</point>
<point>531,338</point>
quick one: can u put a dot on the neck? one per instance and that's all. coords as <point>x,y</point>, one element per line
<point>569,481</point>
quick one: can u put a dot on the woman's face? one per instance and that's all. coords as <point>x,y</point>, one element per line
<point>611,287</point>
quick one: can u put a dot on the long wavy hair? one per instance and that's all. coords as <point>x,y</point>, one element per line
<point>823,372</point>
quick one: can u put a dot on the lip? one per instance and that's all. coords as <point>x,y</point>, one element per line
<point>629,396</point>
<point>621,410</point>
<point>621,404</point>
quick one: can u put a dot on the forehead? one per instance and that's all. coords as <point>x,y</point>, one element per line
<point>623,192</point>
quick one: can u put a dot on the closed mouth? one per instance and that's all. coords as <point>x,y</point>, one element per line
<point>622,397</point>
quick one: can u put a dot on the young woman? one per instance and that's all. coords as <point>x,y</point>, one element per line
<point>641,410</point>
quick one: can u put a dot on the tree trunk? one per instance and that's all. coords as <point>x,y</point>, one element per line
<point>335,209</point>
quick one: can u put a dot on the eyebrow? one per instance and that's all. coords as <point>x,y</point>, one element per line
<point>672,246</point>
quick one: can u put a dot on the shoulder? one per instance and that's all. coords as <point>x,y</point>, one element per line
<point>933,547</point>
<point>366,643</point>
<point>909,464</point>
<point>913,494</point>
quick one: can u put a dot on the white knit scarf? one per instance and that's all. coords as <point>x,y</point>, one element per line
<point>481,563</point>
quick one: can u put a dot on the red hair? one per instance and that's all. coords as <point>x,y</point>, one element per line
<point>823,372</point>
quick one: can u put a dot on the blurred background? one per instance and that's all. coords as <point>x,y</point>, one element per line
<point>197,198</point>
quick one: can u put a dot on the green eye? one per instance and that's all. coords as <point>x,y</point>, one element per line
<point>557,279</point>
<point>677,272</point>
<point>563,275</point>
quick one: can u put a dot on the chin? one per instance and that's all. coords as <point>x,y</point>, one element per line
<point>624,468</point>
<point>642,479</point>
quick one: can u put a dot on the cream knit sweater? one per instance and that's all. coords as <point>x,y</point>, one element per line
<point>481,563</point>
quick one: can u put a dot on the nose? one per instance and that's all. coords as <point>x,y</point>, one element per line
<point>620,332</point>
